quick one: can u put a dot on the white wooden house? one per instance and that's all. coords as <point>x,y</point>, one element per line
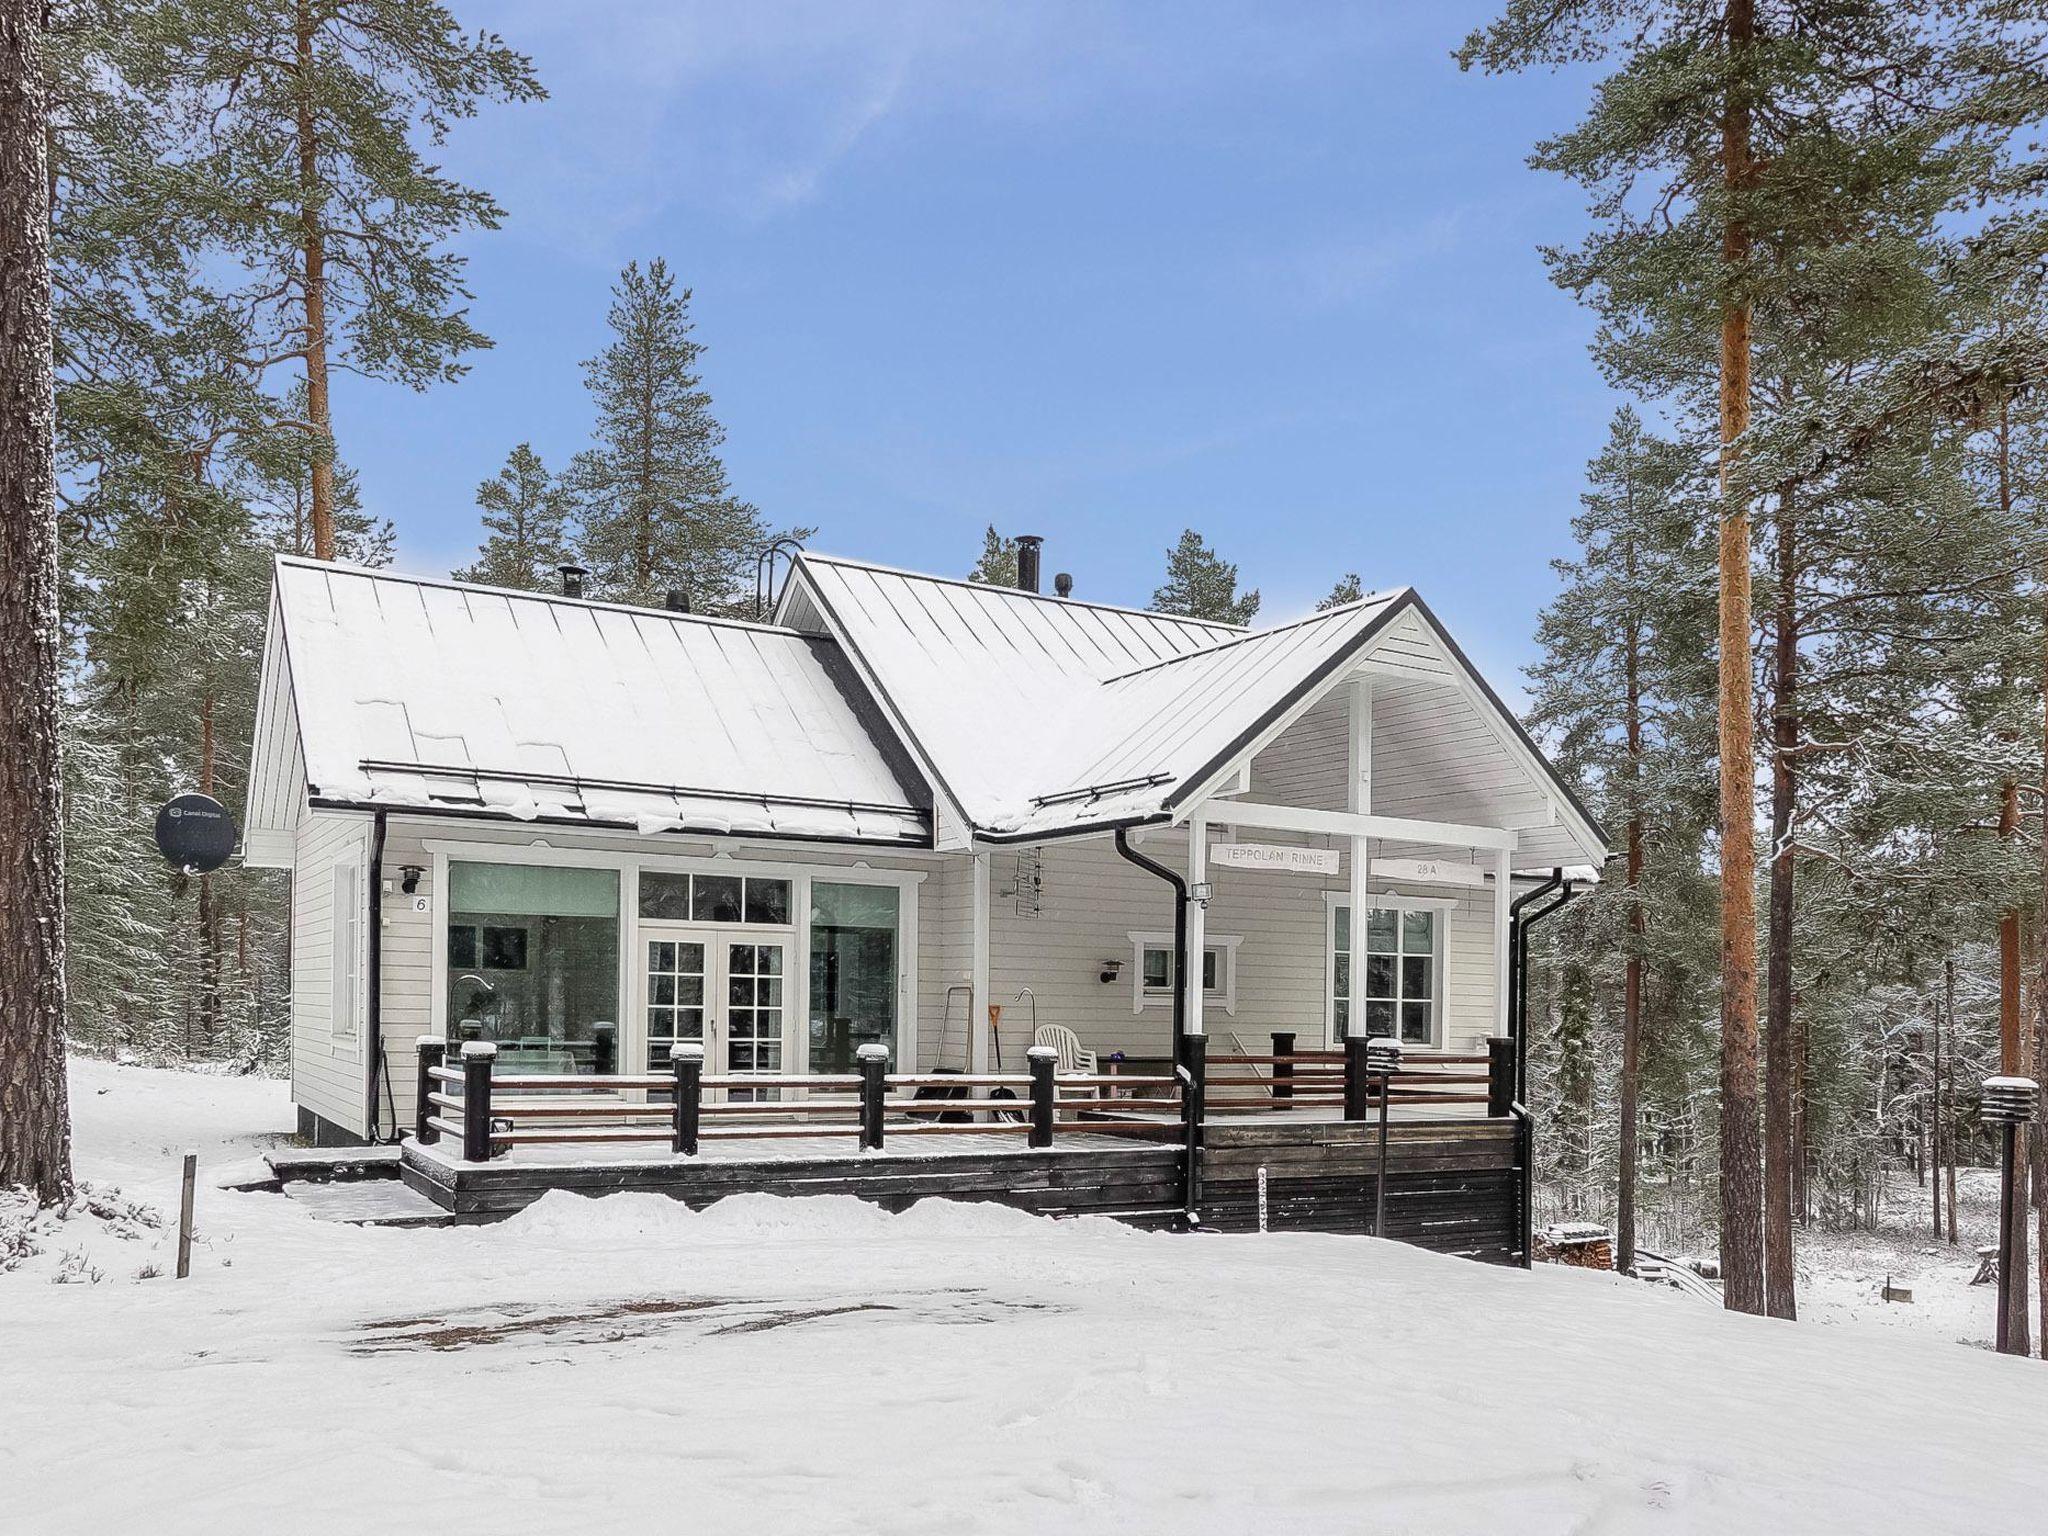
<point>909,809</point>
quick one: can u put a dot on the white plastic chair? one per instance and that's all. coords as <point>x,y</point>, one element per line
<point>1073,1059</point>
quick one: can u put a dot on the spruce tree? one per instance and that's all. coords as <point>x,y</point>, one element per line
<point>656,510</point>
<point>997,566</point>
<point>1198,585</point>
<point>526,511</point>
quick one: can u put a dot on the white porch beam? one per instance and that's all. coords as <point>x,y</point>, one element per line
<point>1301,818</point>
<point>1190,980</point>
<point>1358,801</point>
<point>977,1008</point>
<point>1502,897</point>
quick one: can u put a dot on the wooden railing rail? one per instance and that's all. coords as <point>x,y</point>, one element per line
<point>491,1112</point>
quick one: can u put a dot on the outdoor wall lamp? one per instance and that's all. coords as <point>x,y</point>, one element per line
<point>409,877</point>
<point>1111,969</point>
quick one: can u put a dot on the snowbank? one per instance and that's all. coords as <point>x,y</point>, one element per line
<point>821,1366</point>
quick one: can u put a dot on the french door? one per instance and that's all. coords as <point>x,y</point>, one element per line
<point>723,987</point>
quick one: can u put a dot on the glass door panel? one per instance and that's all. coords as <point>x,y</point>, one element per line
<point>675,997</point>
<point>754,983</point>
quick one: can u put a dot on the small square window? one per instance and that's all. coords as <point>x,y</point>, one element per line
<point>717,899</point>
<point>504,949</point>
<point>664,895</point>
<point>767,901</point>
<point>1158,970</point>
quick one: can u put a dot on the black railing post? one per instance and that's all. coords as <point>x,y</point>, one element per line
<point>433,1051</point>
<point>1382,1060</point>
<point>686,1061</point>
<point>1283,1066</point>
<point>1043,1059</point>
<point>873,1060</point>
<point>1194,1093</point>
<point>477,1059</point>
<point>1357,1078</point>
<point>1500,1075</point>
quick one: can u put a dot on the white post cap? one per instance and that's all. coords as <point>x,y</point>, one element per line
<point>686,1050</point>
<point>479,1050</point>
<point>429,1040</point>
<point>1042,1052</point>
<point>873,1050</point>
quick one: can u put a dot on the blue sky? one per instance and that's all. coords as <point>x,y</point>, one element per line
<point>1095,271</point>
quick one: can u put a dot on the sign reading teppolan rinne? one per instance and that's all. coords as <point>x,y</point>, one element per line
<point>1278,858</point>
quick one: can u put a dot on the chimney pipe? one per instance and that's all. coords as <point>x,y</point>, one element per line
<point>1063,584</point>
<point>1027,561</point>
<point>572,580</point>
<point>678,600</point>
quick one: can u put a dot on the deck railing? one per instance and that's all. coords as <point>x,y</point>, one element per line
<point>1344,1080</point>
<point>490,1112</point>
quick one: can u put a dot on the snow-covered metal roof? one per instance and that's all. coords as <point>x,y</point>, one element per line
<point>1039,716</point>
<point>445,696</point>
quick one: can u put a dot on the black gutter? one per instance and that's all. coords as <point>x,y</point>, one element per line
<point>1518,962</point>
<point>1180,936</point>
<point>373,993</point>
<point>321,802</point>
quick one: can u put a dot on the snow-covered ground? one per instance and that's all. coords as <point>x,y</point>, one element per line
<point>819,1366</point>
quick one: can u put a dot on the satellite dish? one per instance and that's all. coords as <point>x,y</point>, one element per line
<point>195,832</point>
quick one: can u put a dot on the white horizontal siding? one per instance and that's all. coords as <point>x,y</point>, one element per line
<point>327,1068</point>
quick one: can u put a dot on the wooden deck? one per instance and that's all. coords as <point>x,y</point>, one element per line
<point>1081,1175</point>
<point>1453,1184</point>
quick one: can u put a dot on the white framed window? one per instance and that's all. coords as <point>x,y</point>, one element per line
<point>346,960</point>
<point>1399,989</point>
<point>1152,979</point>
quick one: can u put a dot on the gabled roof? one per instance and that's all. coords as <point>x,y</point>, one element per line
<point>1037,716</point>
<point>444,696</point>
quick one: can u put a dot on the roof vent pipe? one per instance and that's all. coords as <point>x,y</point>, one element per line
<point>572,580</point>
<point>1063,584</point>
<point>1027,561</point>
<point>678,600</point>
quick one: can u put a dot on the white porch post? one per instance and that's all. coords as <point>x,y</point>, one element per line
<point>1198,920</point>
<point>1358,800</point>
<point>1502,896</point>
<point>977,1006</point>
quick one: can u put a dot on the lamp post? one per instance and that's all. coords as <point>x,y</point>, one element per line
<point>2009,1104</point>
<point>1382,1061</point>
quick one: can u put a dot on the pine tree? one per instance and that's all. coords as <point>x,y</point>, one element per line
<point>1622,692</point>
<point>1349,589</point>
<point>656,510</point>
<point>1200,586</point>
<point>1737,150</point>
<point>310,117</point>
<point>527,512</point>
<point>997,566</point>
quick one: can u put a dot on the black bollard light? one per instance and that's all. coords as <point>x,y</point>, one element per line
<point>2008,1103</point>
<point>1382,1061</point>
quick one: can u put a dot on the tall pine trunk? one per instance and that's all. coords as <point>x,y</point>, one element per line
<point>35,1118</point>
<point>1780,1298</point>
<point>2037,1134</point>
<point>313,241</point>
<point>1632,972</point>
<point>1742,1278</point>
<point>1948,1112</point>
<point>2012,1043</point>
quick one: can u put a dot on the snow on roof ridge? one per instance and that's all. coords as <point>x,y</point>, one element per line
<point>385,573</point>
<point>1371,599</point>
<point>1043,597</point>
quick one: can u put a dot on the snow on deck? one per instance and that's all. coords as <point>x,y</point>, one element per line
<point>825,1367</point>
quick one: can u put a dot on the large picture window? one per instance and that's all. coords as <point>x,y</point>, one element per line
<point>854,944</point>
<point>1399,989</point>
<point>533,964</point>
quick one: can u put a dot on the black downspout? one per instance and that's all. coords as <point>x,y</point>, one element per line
<point>1180,935</point>
<point>1522,992</point>
<point>373,993</point>
<point>1516,1016</point>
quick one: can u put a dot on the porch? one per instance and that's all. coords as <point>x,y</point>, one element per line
<point>1314,1141</point>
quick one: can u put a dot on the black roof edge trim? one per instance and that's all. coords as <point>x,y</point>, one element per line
<point>1068,833</point>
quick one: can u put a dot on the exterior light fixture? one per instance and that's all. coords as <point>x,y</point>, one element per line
<point>2009,1103</point>
<point>410,877</point>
